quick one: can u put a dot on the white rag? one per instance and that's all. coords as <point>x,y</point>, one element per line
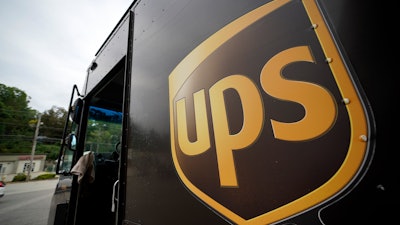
<point>83,167</point>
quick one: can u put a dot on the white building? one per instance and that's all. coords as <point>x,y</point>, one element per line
<point>12,164</point>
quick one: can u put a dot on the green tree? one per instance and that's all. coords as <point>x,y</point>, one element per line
<point>53,122</point>
<point>18,122</point>
<point>15,116</point>
<point>51,131</point>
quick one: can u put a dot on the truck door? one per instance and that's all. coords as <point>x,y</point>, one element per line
<point>100,144</point>
<point>92,152</point>
<point>94,140</point>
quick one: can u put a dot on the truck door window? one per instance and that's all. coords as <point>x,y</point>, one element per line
<point>103,131</point>
<point>102,121</point>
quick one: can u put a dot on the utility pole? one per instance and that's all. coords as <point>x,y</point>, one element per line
<point>34,147</point>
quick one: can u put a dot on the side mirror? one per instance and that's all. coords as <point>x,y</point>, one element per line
<point>71,142</point>
<point>76,110</point>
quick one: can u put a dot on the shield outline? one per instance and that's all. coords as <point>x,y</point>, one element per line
<point>356,154</point>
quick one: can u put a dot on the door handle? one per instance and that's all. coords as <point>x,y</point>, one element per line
<point>114,199</point>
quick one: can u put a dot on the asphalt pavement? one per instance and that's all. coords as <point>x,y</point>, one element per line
<point>27,203</point>
<point>30,186</point>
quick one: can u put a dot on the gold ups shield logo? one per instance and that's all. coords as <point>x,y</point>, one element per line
<point>266,121</point>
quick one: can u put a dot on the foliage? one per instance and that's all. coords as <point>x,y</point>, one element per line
<point>45,176</point>
<point>18,123</point>
<point>19,177</point>
<point>101,135</point>
<point>53,120</point>
<point>50,150</point>
<point>15,132</point>
<point>14,111</point>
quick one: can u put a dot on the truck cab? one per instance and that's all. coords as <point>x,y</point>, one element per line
<point>229,112</point>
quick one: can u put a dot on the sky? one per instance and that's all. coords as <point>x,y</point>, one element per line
<point>46,46</point>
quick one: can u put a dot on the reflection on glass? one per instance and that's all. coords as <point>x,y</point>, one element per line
<point>103,130</point>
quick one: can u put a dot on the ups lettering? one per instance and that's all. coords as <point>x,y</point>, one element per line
<point>319,104</point>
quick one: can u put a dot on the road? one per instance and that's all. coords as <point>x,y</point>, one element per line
<point>27,203</point>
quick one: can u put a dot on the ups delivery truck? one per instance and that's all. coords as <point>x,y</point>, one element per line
<point>217,112</point>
